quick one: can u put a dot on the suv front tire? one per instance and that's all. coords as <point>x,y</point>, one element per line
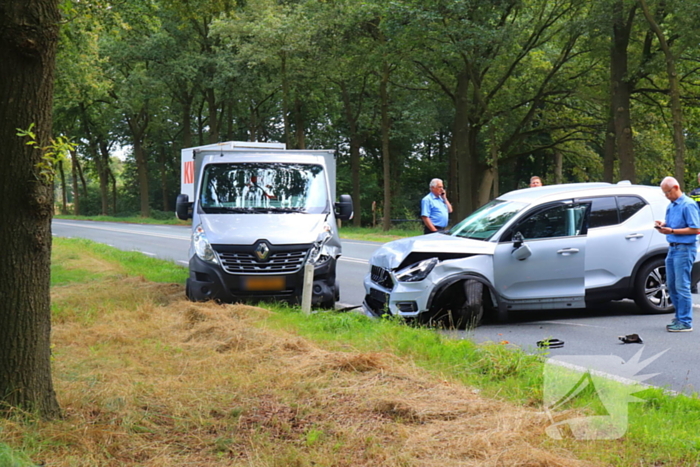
<point>650,291</point>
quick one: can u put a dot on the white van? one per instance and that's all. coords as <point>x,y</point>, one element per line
<point>259,213</point>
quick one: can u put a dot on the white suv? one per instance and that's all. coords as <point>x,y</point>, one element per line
<point>552,247</point>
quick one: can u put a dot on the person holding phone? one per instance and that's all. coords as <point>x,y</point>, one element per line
<point>435,208</point>
<point>681,227</point>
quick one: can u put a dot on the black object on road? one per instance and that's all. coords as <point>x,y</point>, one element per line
<point>631,339</point>
<point>550,344</point>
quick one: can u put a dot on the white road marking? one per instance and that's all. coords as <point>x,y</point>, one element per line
<point>354,260</point>
<point>573,324</point>
<point>137,232</point>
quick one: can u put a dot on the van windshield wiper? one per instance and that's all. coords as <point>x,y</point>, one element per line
<point>225,209</point>
<point>251,210</point>
<point>278,210</point>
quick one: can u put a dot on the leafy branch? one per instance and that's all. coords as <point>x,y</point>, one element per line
<point>51,155</point>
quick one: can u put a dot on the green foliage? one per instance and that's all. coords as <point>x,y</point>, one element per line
<point>536,85</point>
<point>51,155</point>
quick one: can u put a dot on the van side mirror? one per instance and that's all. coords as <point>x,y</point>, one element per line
<point>343,209</point>
<point>183,207</point>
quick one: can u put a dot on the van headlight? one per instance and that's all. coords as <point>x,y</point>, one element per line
<point>320,252</point>
<point>417,271</point>
<point>202,247</point>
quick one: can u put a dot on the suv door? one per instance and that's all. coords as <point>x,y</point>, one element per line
<point>553,274</point>
<point>619,232</point>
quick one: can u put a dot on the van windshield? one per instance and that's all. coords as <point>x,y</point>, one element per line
<point>264,188</point>
<point>483,223</point>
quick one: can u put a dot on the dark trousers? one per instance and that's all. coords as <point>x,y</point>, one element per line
<point>426,230</point>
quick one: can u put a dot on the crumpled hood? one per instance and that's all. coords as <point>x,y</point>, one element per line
<point>390,255</point>
<point>278,229</point>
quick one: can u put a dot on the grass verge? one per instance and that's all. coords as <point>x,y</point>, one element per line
<point>146,378</point>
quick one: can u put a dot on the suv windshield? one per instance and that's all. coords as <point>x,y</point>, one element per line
<point>264,188</point>
<point>483,223</point>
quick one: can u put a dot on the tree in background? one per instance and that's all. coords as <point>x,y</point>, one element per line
<point>28,42</point>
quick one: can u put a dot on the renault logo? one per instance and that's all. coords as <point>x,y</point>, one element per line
<point>262,251</point>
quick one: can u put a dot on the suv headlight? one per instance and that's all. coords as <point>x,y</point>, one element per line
<point>417,271</point>
<point>202,247</point>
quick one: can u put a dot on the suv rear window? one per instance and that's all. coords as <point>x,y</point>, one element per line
<point>629,206</point>
<point>603,212</point>
<point>611,210</point>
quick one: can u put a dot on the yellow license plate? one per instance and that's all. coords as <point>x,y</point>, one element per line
<point>264,283</point>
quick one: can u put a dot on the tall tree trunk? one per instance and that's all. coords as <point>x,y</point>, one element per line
<point>114,191</point>
<point>64,191</point>
<point>162,162</point>
<point>102,161</point>
<point>460,145</point>
<point>609,151</point>
<point>676,109</point>
<point>28,42</point>
<point>485,186</point>
<point>285,102</point>
<point>356,141</point>
<point>621,89</point>
<point>386,153</point>
<point>299,134</point>
<point>138,125</point>
<point>213,116</point>
<point>558,168</point>
<point>76,191</point>
<point>187,123</point>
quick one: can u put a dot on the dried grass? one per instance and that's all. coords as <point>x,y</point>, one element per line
<point>157,381</point>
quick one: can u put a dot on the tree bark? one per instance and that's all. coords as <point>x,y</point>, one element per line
<point>676,109</point>
<point>64,191</point>
<point>28,42</point>
<point>609,151</point>
<point>138,124</point>
<point>462,205</point>
<point>621,90</point>
<point>356,140</point>
<point>76,189</point>
<point>386,153</point>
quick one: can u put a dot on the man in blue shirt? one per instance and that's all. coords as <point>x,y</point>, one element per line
<point>435,209</point>
<point>681,227</point>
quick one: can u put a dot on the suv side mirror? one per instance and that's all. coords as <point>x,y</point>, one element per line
<point>183,207</point>
<point>343,209</point>
<point>520,250</point>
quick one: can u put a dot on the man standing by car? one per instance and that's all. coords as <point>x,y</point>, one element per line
<point>681,226</point>
<point>435,209</point>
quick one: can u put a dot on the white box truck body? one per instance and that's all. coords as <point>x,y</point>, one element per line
<point>259,214</point>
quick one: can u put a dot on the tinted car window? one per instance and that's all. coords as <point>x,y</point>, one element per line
<point>545,224</point>
<point>629,205</point>
<point>603,212</point>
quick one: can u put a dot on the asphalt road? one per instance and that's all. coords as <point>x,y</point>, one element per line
<point>590,332</point>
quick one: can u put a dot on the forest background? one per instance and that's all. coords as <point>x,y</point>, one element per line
<point>483,94</point>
